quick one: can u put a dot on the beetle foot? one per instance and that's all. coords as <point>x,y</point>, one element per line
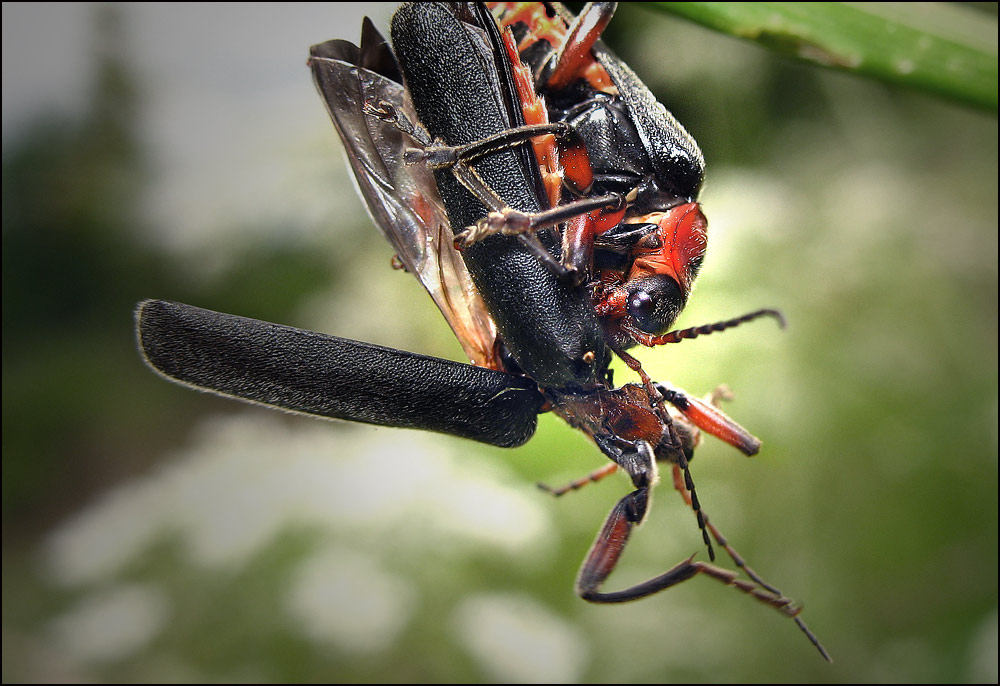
<point>389,113</point>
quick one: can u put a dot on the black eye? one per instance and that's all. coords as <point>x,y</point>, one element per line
<point>654,303</point>
<point>640,307</point>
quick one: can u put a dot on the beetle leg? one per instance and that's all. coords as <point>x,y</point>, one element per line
<point>582,231</point>
<point>673,448</point>
<point>446,156</point>
<point>608,547</point>
<point>636,458</point>
<point>723,542</point>
<point>686,437</point>
<point>587,217</point>
<point>711,420</point>
<point>506,220</point>
<point>574,53</point>
<point>610,543</point>
<point>576,485</point>
<point>703,415</point>
<point>503,219</point>
<point>636,367</point>
<point>741,563</point>
<point>389,113</point>
<point>578,243</point>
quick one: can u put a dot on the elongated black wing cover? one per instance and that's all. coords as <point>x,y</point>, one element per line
<point>315,374</point>
<point>452,75</point>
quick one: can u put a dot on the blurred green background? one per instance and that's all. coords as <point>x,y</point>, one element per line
<point>151,533</point>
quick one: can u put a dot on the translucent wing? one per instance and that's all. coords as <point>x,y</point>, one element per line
<point>402,199</point>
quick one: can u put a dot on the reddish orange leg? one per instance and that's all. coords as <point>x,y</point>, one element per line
<point>711,420</point>
<point>574,53</point>
<point>593,477</point>
<point>610,544</point>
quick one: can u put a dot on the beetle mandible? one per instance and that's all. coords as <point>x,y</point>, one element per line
<point>437,137</point>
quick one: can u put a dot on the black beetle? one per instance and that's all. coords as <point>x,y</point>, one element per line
<point>538,339</point>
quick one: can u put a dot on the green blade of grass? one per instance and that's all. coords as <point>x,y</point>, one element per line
<point>947,50</point>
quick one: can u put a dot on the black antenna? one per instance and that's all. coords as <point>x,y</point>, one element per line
<point>705,329</point>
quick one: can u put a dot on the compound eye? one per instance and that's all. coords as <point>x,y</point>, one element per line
<point>654,303</point>
<point>640,308</point>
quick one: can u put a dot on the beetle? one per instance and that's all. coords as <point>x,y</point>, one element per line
<point>640,171</point>
<point>540,338</point>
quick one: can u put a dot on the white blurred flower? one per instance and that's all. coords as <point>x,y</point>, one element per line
<point>248,478</point>
<point>111,624</point>
<point>516,640</point>
<point>346,599</point>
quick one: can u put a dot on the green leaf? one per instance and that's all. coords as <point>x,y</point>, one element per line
<point>947,50</point>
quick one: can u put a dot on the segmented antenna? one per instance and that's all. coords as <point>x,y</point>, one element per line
<point>705,329</point>
<point>677,450</point>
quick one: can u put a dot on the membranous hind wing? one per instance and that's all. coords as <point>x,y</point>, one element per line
<point>402,199</point>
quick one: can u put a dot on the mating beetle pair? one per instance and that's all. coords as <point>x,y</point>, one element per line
<point>470,131</point>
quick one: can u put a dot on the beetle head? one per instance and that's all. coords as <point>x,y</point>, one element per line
<point>665,264</point>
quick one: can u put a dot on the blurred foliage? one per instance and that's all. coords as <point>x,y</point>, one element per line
<point>76,261</point>
<point>940,48</point>
<point>866,213</point>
